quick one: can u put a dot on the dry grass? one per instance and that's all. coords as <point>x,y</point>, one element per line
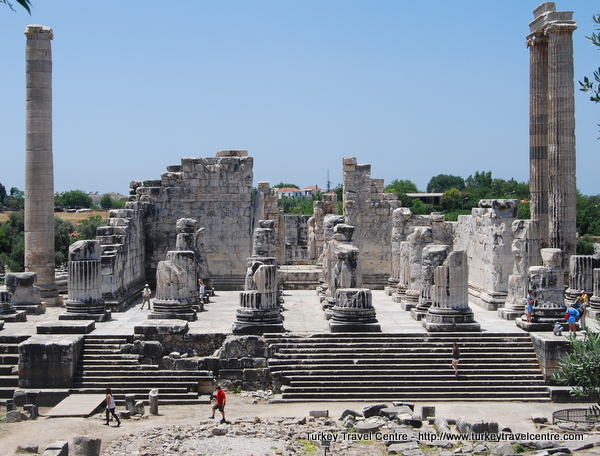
<point>74,217</point>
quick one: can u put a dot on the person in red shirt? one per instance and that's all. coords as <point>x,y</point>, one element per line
<point>220,404</point>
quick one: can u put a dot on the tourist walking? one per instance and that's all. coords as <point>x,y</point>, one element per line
<point>110,407</point>
<point>571,316</point>
<point>146,293</point>
<point>201,289</point>
<point>455,357</point>
<point>530,303</point>
<point>583,308</point>
<point>221,399</point>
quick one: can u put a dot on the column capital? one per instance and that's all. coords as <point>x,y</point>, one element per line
<point>39,32</point>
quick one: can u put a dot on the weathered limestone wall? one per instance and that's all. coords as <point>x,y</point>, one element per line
<point>404,223</point>
<point>369,210</point>
<point>296,239</point>
<point>48,361</point>
<point>486,236</point>
<point>217,191</point>
<point>123,262</point>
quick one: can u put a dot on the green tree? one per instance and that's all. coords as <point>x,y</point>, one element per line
<point>451,200</point>
<point>2,195</point>
<point>282,185</point>
<point>420,208</point>
<point>86,229</point>
<point>15,200</point>
<point>588,85</point>
<point>63,230</point>
<point>12,246</point>
<point>74,199</point>
<point>588,214</point>
<point>580,368</point>
<point>24,3</point>
<point>443,182</point>
<point>108,202</point>
<point>401,188</point>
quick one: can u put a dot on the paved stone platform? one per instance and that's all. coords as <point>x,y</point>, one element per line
<point>303,314</point>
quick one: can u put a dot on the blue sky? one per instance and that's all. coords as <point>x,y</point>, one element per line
<point>414,88</point>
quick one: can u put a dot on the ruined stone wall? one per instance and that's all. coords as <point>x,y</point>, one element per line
<point>217,192</point>
<point>486,235</point>
<point>369,210</point>
<point>296,239</point>
<point>123,261</point>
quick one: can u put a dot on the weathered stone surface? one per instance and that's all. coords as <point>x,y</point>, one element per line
<point>151,327</point>
<point>373,409</point>
<point>86,446</point>
<point>367,427</point>
<point>48,361</point>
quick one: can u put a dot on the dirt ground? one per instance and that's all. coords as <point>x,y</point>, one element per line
<point>45,431</point>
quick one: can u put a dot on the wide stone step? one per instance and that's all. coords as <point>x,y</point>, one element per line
<point>7,369</point>
<point>9,380</point>
<point>9,359</point>
<point>13,339</point>
<point>397,353</point>
<point>356,377</point>
<point>400,348</point>
<point>9,349</point>
<point>7,392</point>
<point>125,369</point>
<point>111,356</point>
<point>450,385</point>
<point>173,381</point>
<point>110,362</point>
<point>411,396</point>
<point>150,376</point>
<point>459,337</point>
<point>418,363</point>
<point>163,390</point>
<point>145,370</point>
<point>101,350</point>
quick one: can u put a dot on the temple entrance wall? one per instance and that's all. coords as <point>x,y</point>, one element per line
<point>217,192</point>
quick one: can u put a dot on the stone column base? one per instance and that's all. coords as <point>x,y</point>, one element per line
<point>340,327</point>
<point>449,320</point>
<point>509,314</point>
<point>408,306</point>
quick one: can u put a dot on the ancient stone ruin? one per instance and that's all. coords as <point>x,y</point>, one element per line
<point>259,311</point>
<point>202,218</point>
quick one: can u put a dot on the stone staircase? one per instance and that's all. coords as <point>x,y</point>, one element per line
<point>102,364</point>
<point>9,365</point>
<point>406,367</point>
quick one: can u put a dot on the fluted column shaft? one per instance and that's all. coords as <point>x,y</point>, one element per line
<point>562,201</point>
<point>538,134</point>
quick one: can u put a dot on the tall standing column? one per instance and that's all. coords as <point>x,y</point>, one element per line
<point>562,198</point>
<point>552,128</point>
<point>39,174</point>
<point>538,132</point>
